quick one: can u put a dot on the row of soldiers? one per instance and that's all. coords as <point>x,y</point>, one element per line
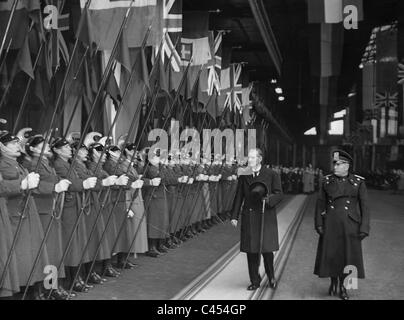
<point>88,214</point>
<point>297,180</point>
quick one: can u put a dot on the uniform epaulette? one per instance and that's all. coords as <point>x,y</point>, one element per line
<point>362,178</point>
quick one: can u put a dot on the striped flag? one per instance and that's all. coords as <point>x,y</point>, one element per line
<point>107,15</point>
<point>170,25</point>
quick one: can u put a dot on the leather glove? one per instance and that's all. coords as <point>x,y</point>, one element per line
<point>62,186</point>
<point>155,182</point>
<point>190,180</point>
<point>32,180</point>
<point>109,181</point>
<point>122,180</point>
<point>24,184</point>
<point>138,184</point>
<point>131,214</point>
<point>320,231</point>
<point>89,183</point>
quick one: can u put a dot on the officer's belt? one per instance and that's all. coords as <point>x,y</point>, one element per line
<point>341,197</point>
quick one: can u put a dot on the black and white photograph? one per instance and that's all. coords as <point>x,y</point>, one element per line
<point>199,155</point>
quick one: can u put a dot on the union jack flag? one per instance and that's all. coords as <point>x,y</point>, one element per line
<point>214,70</point>
<point>172,29</point>
<point>387,100</point>
<point>234,95</point>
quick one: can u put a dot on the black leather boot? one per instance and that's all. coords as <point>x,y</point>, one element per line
<point>332,290</point>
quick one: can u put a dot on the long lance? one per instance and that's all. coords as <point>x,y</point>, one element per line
<point>215,187</point>
<point>25,97</point>
<point>194,202</point>
<point>10,20</point>
<point>106,74</point>
<point>150,112</point>
<point>14,72</point>
<point>146,168</point>
<point>146,212</point>
<point>53,215</point>
<point>145,127</point>
<point>46,233</point>
<point>198,195</point>
<point>189,186</point>
<point>99,213</point>
<point>94,259</point>
<point>47,136</point>
<point>116,202</point>
<point>4,59</point>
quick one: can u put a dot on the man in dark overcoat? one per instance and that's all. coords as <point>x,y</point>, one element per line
<point>255,240</point>
<point>342,221</point>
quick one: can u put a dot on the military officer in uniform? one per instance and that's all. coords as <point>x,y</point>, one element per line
<point>258,234</point>
<point>342,221</point>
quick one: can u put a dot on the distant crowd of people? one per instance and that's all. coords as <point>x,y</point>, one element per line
<point>299,180</point>
<point>296,180</point>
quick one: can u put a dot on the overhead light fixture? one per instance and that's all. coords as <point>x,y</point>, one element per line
<point>278,90</point>
<point>281,98</point>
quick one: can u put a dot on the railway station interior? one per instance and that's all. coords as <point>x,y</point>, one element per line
<point>315,79</point>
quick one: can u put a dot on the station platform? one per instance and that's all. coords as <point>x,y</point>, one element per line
<point>210,266</point>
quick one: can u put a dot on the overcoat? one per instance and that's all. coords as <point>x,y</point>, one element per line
<point>47,205</point>
<point>172,192</point>
<point>91,203</point>
<point>104,198</point>
<point>156,205</point>
<point>343,211</point>
<point>251,212</point>
<point>31,233</point>
<point>11,283</point>
<point>70,214</point>
<point>118,198</point>
<point>136,226</point>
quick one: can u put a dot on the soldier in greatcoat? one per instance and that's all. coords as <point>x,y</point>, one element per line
<point>342,221</point>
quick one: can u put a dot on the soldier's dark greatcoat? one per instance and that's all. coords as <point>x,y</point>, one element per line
<point>342,210</point>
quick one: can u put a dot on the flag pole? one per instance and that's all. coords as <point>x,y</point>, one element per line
<point>106,74</point>
<point>10,20</point>
<point>120,107</point>
<point>47,136</point>
<point>148,164</point>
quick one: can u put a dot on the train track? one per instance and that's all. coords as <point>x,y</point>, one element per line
<point>203,280</point>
